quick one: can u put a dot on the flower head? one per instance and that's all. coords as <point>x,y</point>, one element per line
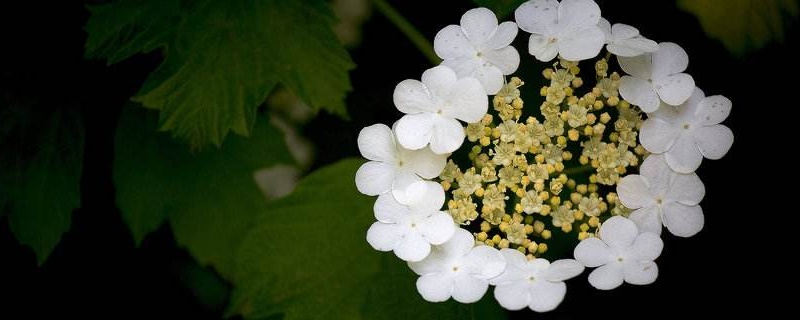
<point>689,132</point>
<point>479,48</point>
<point>432,107</point>
<point>624,40</point>
<point>621,253</point>
<point>537,284</point>
<point>568,28</point>
<point>655,77</point>
<point>458,269</point>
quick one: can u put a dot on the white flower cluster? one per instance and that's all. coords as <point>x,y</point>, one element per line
<point>681,128</point>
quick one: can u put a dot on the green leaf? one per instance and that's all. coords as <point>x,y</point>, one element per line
<point>501,8</point>
<point>209,198</point>
<point>743,25</point>
<point>41,157</point>
<point>223,58</point>
<point>308,258</point>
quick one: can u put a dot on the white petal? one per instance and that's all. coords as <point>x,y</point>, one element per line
<point>388,210</point>
<point>592,252</point>
<point>385,237</point>
<point>412,247</point>
<point>376,143</point>
<point>563,269</point>
<point>605,26</point>
<point>485,261</point>
<point>540,47</point>
<point>640,66</point>
<point>479,25</point>
<point>647,219</point>
<point>426,196</point>
<point>516,268</point>
<point>414,131</point>
<point>578,13</point>
<point>713,110</point>
<point>513,296</point>
<point>490,78</point>
<point>624,31</point>
<point>713,141</point>
<point>402,180</point>
<point>607,277</point>
<point>657,136</point>
<point>469,289</point>
<point>641,273</point>
<point>467,100</point>
<point>437,261</point>
<point>411,96</point>
<point>448,135</point>
<point>464,66</point>
<point>537,16</point>
<point>424,162</point>
<point>503,36</point>
<point>658,175</point>
<point>584,43</point>
<point>505,59</point>
<point>674,89</point>
<point>634,192</point>
<point>374,178</point>
<point>460,244</point>
<point>647,247</point>
<point>682,220</point>
<point>669,59</point>
<point>684,156</point>
<point>632,47</point>
<point>435,287</point>
<point>639,92</point>
<point>618,232</point>
<point>686,189</point>
<point>546,296</point>
<point>438,228</point>
<point>451,43</point>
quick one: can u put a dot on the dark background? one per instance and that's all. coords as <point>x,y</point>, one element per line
<point>97,271</point>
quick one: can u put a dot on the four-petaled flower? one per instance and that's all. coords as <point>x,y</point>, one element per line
<point>479,48</point>
<point>621,253</point>
<point>568,28</point>
<point>624,40</point>
<point>458,269</point>
<point>655,77</point>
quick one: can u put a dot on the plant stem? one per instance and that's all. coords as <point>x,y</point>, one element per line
<point>408,29</point>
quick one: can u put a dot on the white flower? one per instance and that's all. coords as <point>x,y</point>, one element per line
<point>392,167</point>
<point>624,40</point>
<point>621,253</point>
<point>479,48</point>
<point>660,195</point>
<point>656,76</point>
<point>432,107</point>
<point>569,28</point>
<point>537,284</point>
<point>689,132</point>
<point>458,269</point>
<point>409,229</point>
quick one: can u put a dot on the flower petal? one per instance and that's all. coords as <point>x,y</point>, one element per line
<point>514,296</point>
<point>414,131</point>
<point>634,192</point>
<point>491,80</point>
<point>639,66</point>
<point>540,47</point>
<point>647,247</point>
<point>632,47</point>
<point>607,277</point>
<point>467,100</point>
<point>411,96</point>
<point>486,261</point>
<point>437,261</point>
<point>592,252</point>
<point>684,156</point>
<point>469,289</point>
<point>506,59</point>
<point>605,26</point>
<point>374,178</point>
<point>376,143</point>
<point>412,247</point>
<point>674,89</point>
<point>618,232</point>
<point>448,134</point>
<point>639,92</point>
<point>451,43</point>
<point>574,13</point>
<point>459,245</point>
<point>713,141</point>
<point>562,269</point>
<point>388,210</point>
<point>479,25</point>
<point>713,110</point>
<point>426,196</point>
<point>669,59</point>
<point>424,162</point>
<point>584,43</point>
<point>657,136</point>
<point>623,31</point>
<point>516,267</point>
<point>659,176</point>
<point>385,237</point>
<point>438,228</point>
<point>546,296</point>
<point>686,189</point>
<point>503,36</point>
<point>537,16</point>
<point>641,273</point>
<point>647,219</point>
<point>439,80</point>
<point>436,287</point>
<point>682,220</point>
<point>402,180</point>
